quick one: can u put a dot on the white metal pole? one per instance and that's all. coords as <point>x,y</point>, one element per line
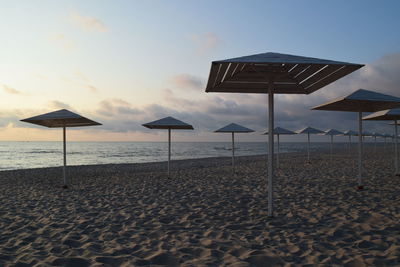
<point>374,143</point>
<point>308,147</point>
<point>331,146</point>
<point>360,148</point>
<point>349,144</point>
<point>169,150</point>
<point>233,152</point>
<point>279,151</point>
<point>270,148</point>
<point>396,156</point>
<point>65,157</point>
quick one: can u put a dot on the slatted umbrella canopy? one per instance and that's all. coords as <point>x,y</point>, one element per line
<point>332,133</point>
<point>361,101</point>
<point>168,123</point>
<point>389,115</point>
<point>308,131</point>
<point>61,119</point>
<point>274,73</point>
<point>279,131</point>
<point>234,128</point>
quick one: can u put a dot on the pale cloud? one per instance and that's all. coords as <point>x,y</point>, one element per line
<point>187,81</point>
<point>62,41</point>
<point>205,42</point>
<point>91,88</point>
<point>10,90</point>
<point>88,23</point>
<point>81,76</point>
<point>55,104</point>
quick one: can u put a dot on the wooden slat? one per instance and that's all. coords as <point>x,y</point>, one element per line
<point>308,72</point>
<point>347,69</point>
<point>221,73</point>
<point>230,70</point>
<point>249,86</point>
<point>258,77</point>
<point>212,76</point>
<point>320,75</point>
<point>298,69</point>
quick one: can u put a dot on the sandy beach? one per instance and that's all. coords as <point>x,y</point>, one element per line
<point>133,215</point>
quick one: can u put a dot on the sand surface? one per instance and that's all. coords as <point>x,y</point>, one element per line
<point>133,215</point>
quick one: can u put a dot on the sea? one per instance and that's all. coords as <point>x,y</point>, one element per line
<point>26,155</point>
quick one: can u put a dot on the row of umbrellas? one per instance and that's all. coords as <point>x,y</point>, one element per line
<point>275,73</point>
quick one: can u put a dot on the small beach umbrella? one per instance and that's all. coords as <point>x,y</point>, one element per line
<point>275,73</point>
<point>308,131</point>
<point>375,135</point>
<point>332,132</point>
<point>278,131</point>
<point>61,119</point>
<point>389,115</point>
<point>361,101</point>
<point>234,128</point>
<point>168,123</point>
<point>350,133</point>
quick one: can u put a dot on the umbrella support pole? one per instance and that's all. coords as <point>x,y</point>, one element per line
<point>65,186</point>
<point>233,153</point>
<point>169,150</point>
<point>396,155</point>
<point>331,146</point>
<point>308,148</point>
<point>349,144</point>
<point>277,155</point>
<point>360,149</point>
<point>270,148</point>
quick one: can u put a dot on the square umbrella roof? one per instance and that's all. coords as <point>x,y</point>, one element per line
<point>234,128</point>
<point>309,130</point>
<point>280,130</point>
<point>361,101</point>
<point>384,115</point>
<point>289,74</point>
<point>168,123</point>
<point>61,118</point>
<point>333,132</point>
<point>350,132</point>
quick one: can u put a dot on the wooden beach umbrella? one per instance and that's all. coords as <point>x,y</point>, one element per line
<point>389,115</point>
<point>332,132</point>
<point>61,119</point>
<point>350,133</point>
<point>234,128</point>
<point>274,73</point>
<point>308,131</point>
<point>279,131</point>
<point>168,123</point>
<point>361,101</point>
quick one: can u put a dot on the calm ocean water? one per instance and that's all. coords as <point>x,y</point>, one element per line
<point>22,155</point>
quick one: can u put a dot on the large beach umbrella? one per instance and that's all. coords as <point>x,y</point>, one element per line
<point>308,131</point>
<point>375,135</point>
<point>332,132</point>
<point>274,73</point>
<point>61,119</point>
<point>168,123</point>
<point>361,101</point>
<point>350,133</point>
<point>279,131</point>
<point>234,128</point>
<point>389,115</point>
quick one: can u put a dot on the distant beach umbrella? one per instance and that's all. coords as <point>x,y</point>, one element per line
<point>350,133</point>
<point>375,135</point>
<point>361,101</point>
<point>308,131</point>
<point>389,115</point>
<point>234,128</point>
<point>274,73</point>
<point>61,119</point>
<point>279,131</point>
<point>168,123</point>
<point>332,132</point>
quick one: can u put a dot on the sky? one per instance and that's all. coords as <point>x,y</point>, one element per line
<point>125,63</point>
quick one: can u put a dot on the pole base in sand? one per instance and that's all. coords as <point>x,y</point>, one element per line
<point>360,187</point>
<point>65,186</point>
<point>397,174</point>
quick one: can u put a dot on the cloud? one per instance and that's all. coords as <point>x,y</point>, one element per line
<point>205,42</point>
<point>10,90</point>
<point>87,23</point>
<point>91,88</point>
<point>187,81</point>
<point>62,41</point>
<point>58,105</point>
